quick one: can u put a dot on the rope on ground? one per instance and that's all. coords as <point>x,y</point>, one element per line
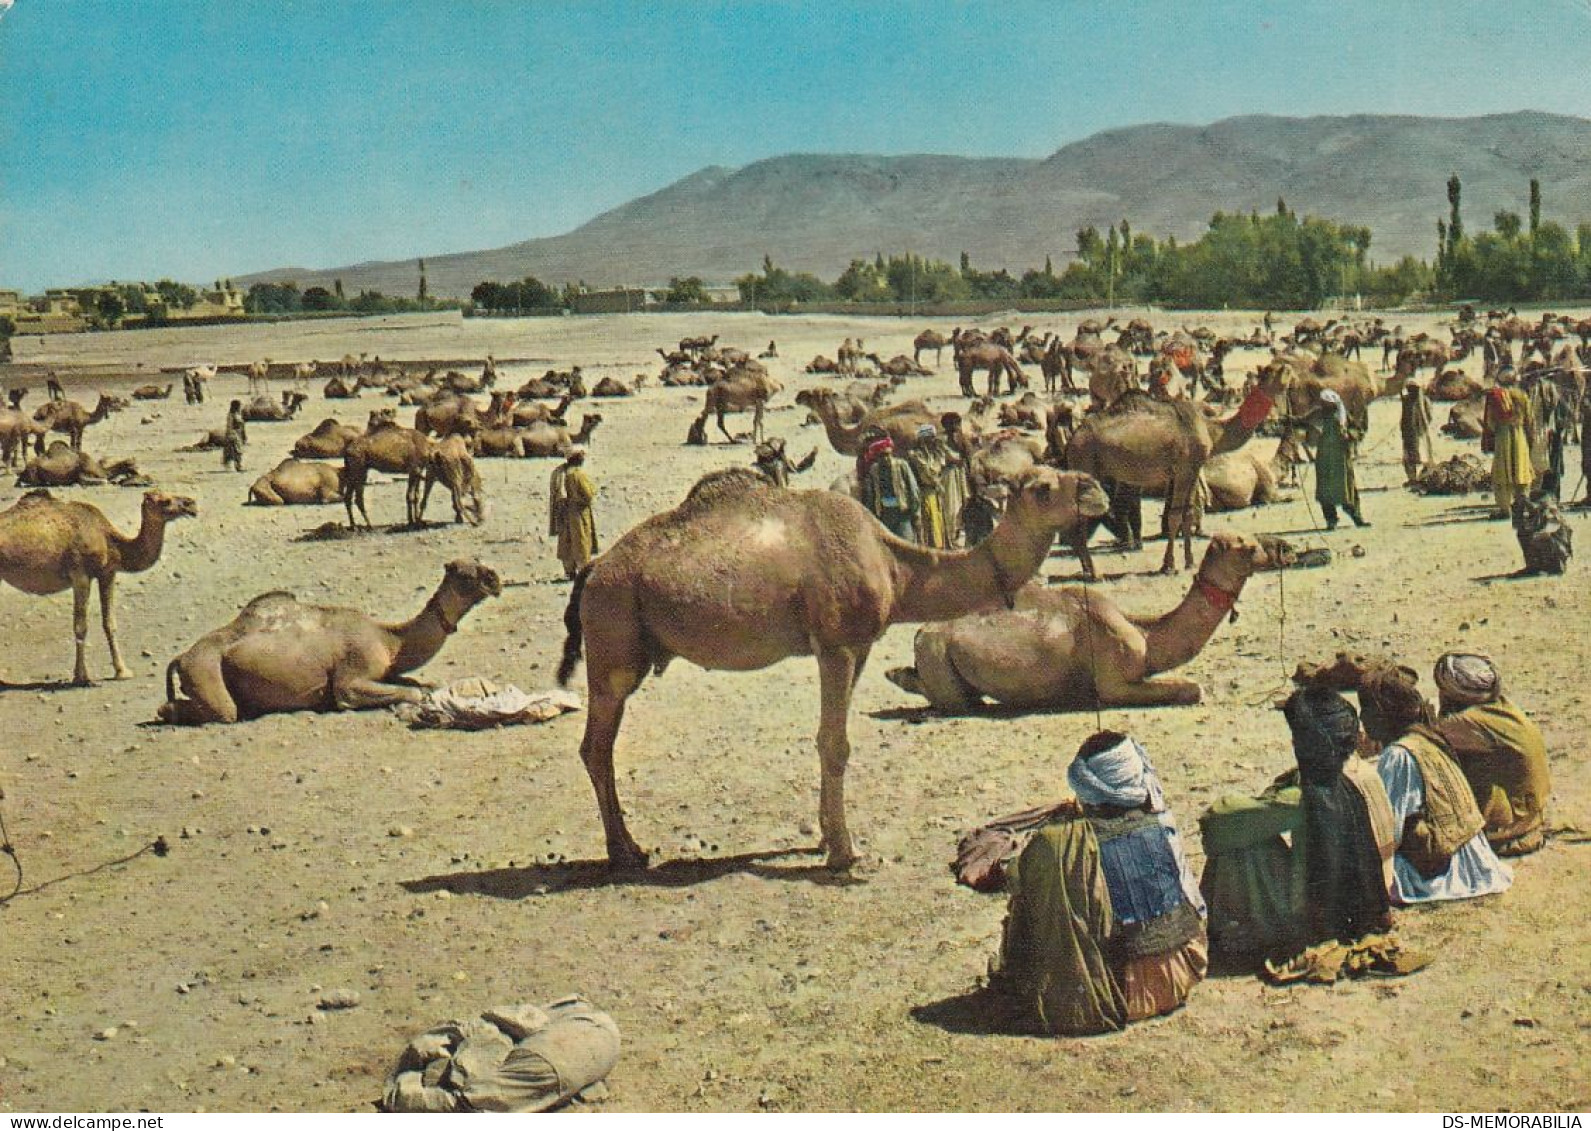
<point>1093,679</point>
<point>10,850</point>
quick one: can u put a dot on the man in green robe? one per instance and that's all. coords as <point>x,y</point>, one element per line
<point>1334,450</point>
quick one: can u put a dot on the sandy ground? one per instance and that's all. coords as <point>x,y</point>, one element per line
<point>440,873</point>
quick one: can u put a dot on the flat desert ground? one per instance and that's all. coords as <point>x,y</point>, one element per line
<point>440,873</point>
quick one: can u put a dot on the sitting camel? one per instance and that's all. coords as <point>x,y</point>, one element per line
<point>612,387</point>
<point>64,466</point>
<point>297,483</point>
<point>745,388</point>
<point>899,421</point>
<point>552,439</point>
<point>794,573</point>
<point>340,389</point>
<point>48,545</point>
<point>263,410</point>
<point>1074,649</point>
<point>279,655</point>
<point>153,392</point>
<point>899,366</point>
<point>452,465</point>
<point>329,439</point>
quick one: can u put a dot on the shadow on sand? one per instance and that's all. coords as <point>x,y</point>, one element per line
<point>585,875</point>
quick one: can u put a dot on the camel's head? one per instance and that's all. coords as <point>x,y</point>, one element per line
<point>1233,557</point>
<point>1058,499</point>
<point>168,507</point>
<point>1343,673</point>
<point>472,579</point>
<point>811,398</point>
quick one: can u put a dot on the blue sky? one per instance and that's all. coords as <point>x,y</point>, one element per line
<point>196,139</point>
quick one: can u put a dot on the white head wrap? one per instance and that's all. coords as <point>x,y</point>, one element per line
<point>1121,776</point>
<point>1333,398</point>
<point>1465,679</point>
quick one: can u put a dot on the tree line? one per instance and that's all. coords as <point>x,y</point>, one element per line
<point>1516,261</point>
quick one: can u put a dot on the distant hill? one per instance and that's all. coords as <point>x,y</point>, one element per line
<point>815,212</point>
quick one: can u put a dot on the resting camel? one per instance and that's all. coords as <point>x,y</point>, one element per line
<point>73,419</point>
<point>329,439</point>
<point>900,421</point>
<point>296,483</point>
<point>745,388</point>
<point>64,466</point>
<point>452,465</point>
<point>793,573</point>
<point>1239,479</point>
<point>263,410</point>
<point>899,366</point>
<point>1163,445</point>
<point>48,545</point>
<point>279,655</point>
<point>929,340</point>
<point>340,389</point>
<point>971,356</point>
<point>1074,649</point>
<point>451,414</point>
<point>385,447</point>
<point>547,439</point>
<point>152,392</point>
<point>1454,385</point>
<point>611,387</point>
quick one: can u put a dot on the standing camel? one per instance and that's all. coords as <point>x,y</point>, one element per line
<point>48,545</point>
<point>899,421</point>
<point>1158,445</point>
<point>259,378</point>
<point>745,387</point>
<point>388,447</point>
<point>974,354</point>
<point>73,419</point>
<point>793,573</point>
<point>929,340</point>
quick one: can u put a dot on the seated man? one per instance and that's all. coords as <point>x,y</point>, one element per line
<point>1105,924</point>
<point>1501,752</point>
<point>1443,853</point>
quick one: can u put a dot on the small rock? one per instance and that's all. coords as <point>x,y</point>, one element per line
<point>400,831</point>
<point>338,999</point>
<point>108,1034</point>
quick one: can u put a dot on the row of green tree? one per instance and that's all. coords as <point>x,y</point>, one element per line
<point>286,298</point>
<point>1514,262</point>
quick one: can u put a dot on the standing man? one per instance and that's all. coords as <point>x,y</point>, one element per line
<point>235,437</point>
<point>1335,485</point>
<point>889,489</point>
<point>1505,432</point>
<point>928,463</point>
<point>1415,426</point>
<point>569,499</point>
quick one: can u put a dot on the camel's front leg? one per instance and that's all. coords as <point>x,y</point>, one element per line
<point>1147,692</point>
<point>412,500</point>
<point>1168,519</point>
<point>837,671</point>
<point>1084,558</point>
<point>107,616</point>
<point>756,424</point>
<point>723,427</point>
<point>606,697</point>
<point>80,587</point>
<point>357,693</point>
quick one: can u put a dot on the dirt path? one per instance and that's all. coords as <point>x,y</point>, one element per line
<point>432,872</point>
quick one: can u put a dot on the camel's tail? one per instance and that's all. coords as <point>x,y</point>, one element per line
<point>574,642</point>
<point>171,682</point>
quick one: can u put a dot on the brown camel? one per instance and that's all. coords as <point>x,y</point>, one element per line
<point>1111,371</point>
<point>452,465</point>
<point>296,482</point>
<point>794,573</point>
<point>552,439</point>
<point>48,545</point>
<point>899,421</point>
<point>340,389</point>
<point>279,655</point>
<point>1074,649</point>
<point>899,366</point>
<point>1308,374</point>
<point>64,466</point>
<point>929,340</point>
<point>611,387</point>
<point>16,429</point>
<point>385,447</point>
<point>745,388</point>
<point>153,392</point>
<point>73,419</point>
<point>1454,385</point>
<point>328,441</point>
<point>451,414</point>
<point>1163,445</point>
<point>988,355</point>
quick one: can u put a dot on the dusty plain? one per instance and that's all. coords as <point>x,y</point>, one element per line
<point>438,873</point>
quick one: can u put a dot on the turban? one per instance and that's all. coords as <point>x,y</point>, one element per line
<point>1465,679</point>
<point>1391,702</point>
<point>1120,775</point>
<point>1331,397</point>
<point>1325,732</point>
<point>927,432</point>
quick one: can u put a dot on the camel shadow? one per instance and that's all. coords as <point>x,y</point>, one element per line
<point>589,875</point>
<point>1517,575</point>
<point>339,532</point>
<point>45,685</point>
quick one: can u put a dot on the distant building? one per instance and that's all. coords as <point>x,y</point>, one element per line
<point>12,303</point>
<point>224,303</point>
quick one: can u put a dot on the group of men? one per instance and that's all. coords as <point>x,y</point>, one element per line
<point>925,495</point>
<point>1396,804</point>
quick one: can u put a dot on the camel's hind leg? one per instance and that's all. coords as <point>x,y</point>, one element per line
<point>941,684</point>
<point>412,501</point>
<point>838,669</point>
<point>206,698</point>
<point>107,616</point>
<point>606,696</point>
<point>722,427</point>
<point>80,588</point>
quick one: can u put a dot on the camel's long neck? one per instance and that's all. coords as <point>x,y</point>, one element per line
<point>1182,633</point>
<point>142,550</point>
<point>933,586</point>
<point>844,440</point>
<point>416,641</point>
<point>1232,433</point>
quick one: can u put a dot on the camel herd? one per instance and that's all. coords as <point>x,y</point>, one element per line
<point>810,572</point>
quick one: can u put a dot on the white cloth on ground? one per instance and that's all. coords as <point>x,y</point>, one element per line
<point>480,704</point>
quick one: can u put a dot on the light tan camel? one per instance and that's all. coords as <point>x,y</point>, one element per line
<point>451,414</point>
<point>385,447</point>
<point>929,340</point>
<point>1111,371</point>
<point>899,421</point>
<point>1163,445</point>
<point>280,655</point>
<point>745,388</point>
<point>64,466</point>
<point>1074,649</point>
<point>16,429</point>
<point>48,545</point>
<point>612,387</point>
<point>548,439</point>
<point>153,392</point>
<point>1244,478</point>
<point>297,483</point>
<point>328,441</point>
<point>899,366</point>
<point>452,466</point>
<point>259,378</point>
<point>1307,374</point>
<point>71,418</point>
<point>793,573</point>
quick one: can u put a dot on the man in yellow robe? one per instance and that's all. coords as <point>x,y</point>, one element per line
<point>1505,432</point>
<point>570,517</point>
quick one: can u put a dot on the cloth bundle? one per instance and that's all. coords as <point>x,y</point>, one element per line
<point>480,704</point>
<point>1380,955</point>
<point>1459,475</point>
<point>523,1058</point>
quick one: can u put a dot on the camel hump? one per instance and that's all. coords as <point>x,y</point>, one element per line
<point>265,601</point>
<point>716,486</point>
<point>37,495</point>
